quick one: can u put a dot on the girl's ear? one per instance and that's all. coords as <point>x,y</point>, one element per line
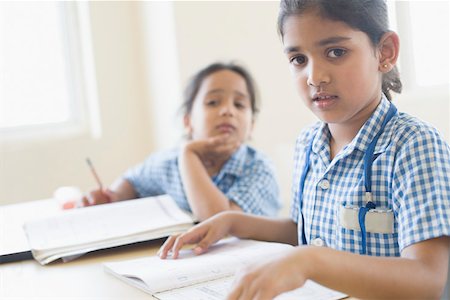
<point>187,125</point>
<point>388,48</point>
<point>250,131</point>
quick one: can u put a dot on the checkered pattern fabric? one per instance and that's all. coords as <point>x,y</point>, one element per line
<point>410,175</point>
<point>247,178</point>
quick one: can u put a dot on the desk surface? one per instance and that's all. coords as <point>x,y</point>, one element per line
<point>83,278</point>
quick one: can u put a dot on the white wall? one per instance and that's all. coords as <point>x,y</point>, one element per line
<point>124,42</point>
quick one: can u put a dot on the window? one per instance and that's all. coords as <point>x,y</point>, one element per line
<point>424,30</point>
<point>431,44</point>
<point>424,64</point>
<point>44,79</point>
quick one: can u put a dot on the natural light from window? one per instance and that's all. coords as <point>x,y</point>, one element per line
<point>430,29</point>
<point>34,80</point>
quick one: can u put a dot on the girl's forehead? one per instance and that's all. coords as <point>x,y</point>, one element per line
<point>311,29</point>
<point>223,76</point>
<point>224,80</point>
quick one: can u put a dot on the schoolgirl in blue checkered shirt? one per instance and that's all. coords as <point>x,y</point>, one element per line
<point>371,186</point>
<point>214,170</point>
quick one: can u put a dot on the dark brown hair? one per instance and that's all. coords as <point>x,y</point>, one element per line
<point>196,81</point>
<point>368,16</point>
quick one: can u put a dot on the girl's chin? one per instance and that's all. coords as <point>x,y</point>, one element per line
<point>329,118</point>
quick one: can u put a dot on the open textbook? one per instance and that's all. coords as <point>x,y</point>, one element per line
<point>207,276</point>
<point>79,231</point>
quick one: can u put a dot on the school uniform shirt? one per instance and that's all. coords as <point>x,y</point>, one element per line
<point>410,177</point>
<point>247,179</point>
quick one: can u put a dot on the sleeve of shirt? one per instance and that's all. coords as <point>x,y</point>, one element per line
<point>421,188</point>
<point>256,191</point>
<point>299,163</point>
<point>294,213</point>
<point>146,177</point>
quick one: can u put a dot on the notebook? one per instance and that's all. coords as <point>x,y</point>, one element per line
<point>207,276</point>
<point>83,230</point>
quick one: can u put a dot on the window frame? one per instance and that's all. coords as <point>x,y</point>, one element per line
<point>401,21</point>
<point>85,116</point>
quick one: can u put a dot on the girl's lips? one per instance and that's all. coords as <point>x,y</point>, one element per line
<point>323,96</point>
<point>324,102</point>
<point>225,128</point>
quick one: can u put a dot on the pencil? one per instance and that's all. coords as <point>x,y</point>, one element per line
<point>91,166</point>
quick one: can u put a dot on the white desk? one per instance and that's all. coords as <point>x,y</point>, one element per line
<point>83,278</point>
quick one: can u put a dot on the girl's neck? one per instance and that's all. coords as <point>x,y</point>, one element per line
<point>340,137</point>
<point>214,165</point>
<point>343,133</point>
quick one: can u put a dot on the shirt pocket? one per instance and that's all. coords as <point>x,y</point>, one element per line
<point>381,233</point>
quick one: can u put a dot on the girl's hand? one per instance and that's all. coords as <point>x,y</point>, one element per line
<point>204,235</point>
<point>213,148</point>
<point>99,196</point>
<point>269,279</point>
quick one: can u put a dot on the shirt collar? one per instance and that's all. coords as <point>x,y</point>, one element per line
<point>363,137</point>
<point>370,129</point>
<point>321,143</point>
<point>235,164</point>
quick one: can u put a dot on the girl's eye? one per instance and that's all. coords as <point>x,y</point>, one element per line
<point>240,104</point>
<point>212,102</point>
<point>335,53</point>
<point>298,60</point>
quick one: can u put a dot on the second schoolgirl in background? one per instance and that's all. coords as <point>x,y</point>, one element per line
<point>214,170</point>
<point>371,188</point>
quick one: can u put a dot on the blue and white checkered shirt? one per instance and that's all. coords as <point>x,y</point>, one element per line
<point>247,178</point>
<point>410,176</point>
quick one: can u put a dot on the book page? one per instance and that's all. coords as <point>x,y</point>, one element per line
<point>14,216</point>
<point>219,289</point>
<point>154,275</point>
<point>104,222</point>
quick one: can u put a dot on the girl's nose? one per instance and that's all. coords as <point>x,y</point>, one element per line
<point>318,76</point>
<point>227,108</point>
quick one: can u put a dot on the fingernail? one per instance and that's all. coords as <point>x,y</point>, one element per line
<point>198,250</point>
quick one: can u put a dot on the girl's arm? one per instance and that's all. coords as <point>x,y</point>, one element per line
<point>231,223</point>
<point>204,197</point>
<point>420,273</point>
<point>246,226</point>
<point>121,189</point>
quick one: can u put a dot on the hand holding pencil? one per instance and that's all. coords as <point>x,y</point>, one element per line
<point>100,195</point>
<point>97,179</point>
<point>94,197</point>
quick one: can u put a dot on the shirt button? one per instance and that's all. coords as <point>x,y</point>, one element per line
<point>318,242</point>
<point>324,184</point>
